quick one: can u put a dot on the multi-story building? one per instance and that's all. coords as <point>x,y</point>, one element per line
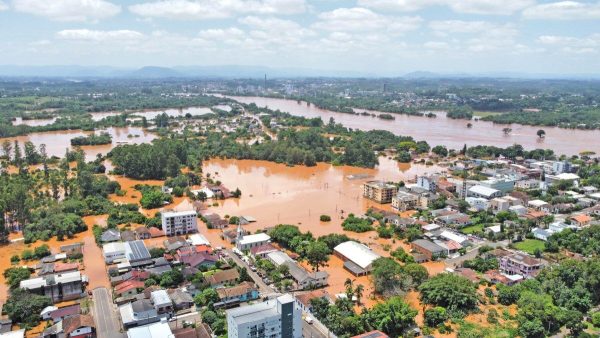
<point>404,200</point>
<point>427,182</point>
<point>275,318</point>
<point>179,222</point>
<point>379,191</point>
<point>59,287</point>
<point>520,264</point>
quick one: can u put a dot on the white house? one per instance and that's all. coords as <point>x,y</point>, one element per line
<point>114,251</point>
<point>250,241</point>
<point>484,192</point>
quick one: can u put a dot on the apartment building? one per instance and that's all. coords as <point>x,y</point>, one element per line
<point>179,222</point>
<point>404,200</point>
<point>379,191</point>
<point>275,318</point>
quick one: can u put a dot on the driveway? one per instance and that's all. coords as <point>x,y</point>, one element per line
<point>105,315</point>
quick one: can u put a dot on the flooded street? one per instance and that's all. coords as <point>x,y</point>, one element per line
<point>444,131</point>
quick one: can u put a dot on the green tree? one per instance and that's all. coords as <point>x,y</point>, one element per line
<point>317,254</point>
<point>541,133</point>
<point>455,293</point>
<point>393,317</point>
<point>435,316</point>
<point>24,307</point>
<point>15,275</point>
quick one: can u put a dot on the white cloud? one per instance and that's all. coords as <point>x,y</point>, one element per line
<point>216,9</point>
<point>575,45</point>
<point>359,19</point>
<point>99,36</point>
<point>3,6</point>
<point>492,7</point>
<point>68,10</point>
<point>437,45</point>
<point>564,10</point>
<point>459,26</point>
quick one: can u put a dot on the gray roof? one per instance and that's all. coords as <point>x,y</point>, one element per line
<point>428,245</point>
<point>111,235</point>
<point>137,251</point>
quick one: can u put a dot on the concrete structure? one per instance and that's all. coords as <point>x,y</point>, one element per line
<point>379,191</point>
<point>502,184</point>
<point>520,264</point>
<point>275,318</point>
<point>428,183</point>
<point>232,296</point>
<point>113,252</point>
<point>161,301</point>
<point>303,278</point>
<point>483,192</point>
<point>357,257</point>
<point>59,287</point>
<point>404,200</point>
<point>179,222</point>
<point>140,312</point>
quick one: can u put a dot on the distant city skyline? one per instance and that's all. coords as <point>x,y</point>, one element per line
<point>377,37</point>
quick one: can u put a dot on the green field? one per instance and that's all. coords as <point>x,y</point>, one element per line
<point>485,113</point>
<point>471,229</point>
<point>530,245</point>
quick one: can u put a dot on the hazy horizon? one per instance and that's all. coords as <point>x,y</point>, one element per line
<point>365,37</point>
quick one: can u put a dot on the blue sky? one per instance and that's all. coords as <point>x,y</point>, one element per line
<point>385,37</point>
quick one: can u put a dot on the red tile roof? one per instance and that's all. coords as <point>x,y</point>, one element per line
<point>129,285</point>
<point>73,323</point>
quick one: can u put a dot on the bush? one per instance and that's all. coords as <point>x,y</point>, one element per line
<point>325,218</point>
<point>435,316</point>
<point>596,319</point>
<point>357,224</point>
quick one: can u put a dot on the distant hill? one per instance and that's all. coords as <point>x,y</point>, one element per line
<point>154,72</point>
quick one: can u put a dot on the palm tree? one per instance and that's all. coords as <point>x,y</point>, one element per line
<point>349,288</point>
<point>469,125</point>
<point>358,292</point>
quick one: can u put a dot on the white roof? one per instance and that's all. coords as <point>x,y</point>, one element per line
<point>113,247</point>
<point>156,330</point>
<point>13,334</point>
<point>537,203</point>
<point>483,190</point>
<point>67,277</point>
<point>453,237</point>
<point>494,228</point>
<point>567,176</point>
<point>178,213</point>
<point>430,227</point>
<point>256,238</point>
<point>198,239</point>
<point>358,253</point>
<point>160,297</point>
<point>279,257</point>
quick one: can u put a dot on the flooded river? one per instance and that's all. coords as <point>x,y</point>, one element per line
<point>444,131</point>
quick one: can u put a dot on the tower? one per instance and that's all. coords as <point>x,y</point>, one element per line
<point>240,232</point>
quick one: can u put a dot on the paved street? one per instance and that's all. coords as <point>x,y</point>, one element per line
<point>311,331</point>
<point>105,315</point>
<point>264,289</point>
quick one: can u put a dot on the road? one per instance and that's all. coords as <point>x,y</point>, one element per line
<point>264,289</point>
<point>105,315</point>
<point>311,331</point>
<point>471,254</point>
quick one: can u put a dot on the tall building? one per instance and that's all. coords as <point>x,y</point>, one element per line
<point>379,191</point>
<point>274,318</point>
<point>179,222</point>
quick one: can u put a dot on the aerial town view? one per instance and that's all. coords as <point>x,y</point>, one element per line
<point>299,168</point>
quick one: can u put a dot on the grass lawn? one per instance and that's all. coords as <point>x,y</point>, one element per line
<point>471,229</point>
<point>530,245</point>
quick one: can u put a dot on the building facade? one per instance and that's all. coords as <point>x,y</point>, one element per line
<point>275,318</point>
<point>179,223</point>
<point>379,191</point>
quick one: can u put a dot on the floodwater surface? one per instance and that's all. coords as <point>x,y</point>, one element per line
<point>444,131</point>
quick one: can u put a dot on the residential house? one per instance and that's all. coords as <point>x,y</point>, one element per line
<point>539,205</point>
<point>427,248</point>
<point>372,334</point>
<point>199,259</point>
<point>234,295</point>
<point>142,233</point>
<point>304,300</point>
<point>162,302</point>
<point>520,264</point>
<point>262,251</point>
<point>137,313</point>
<point>214,221</point>
<point>483,192</point>
<point>222,278</point>
<point>181,299</point>
<point>110,235</point>
<point>581,220</point>
<point>76,326</point>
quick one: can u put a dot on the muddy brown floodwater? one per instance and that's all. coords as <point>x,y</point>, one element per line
<point>444,131</point>
<point>58,141</point>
